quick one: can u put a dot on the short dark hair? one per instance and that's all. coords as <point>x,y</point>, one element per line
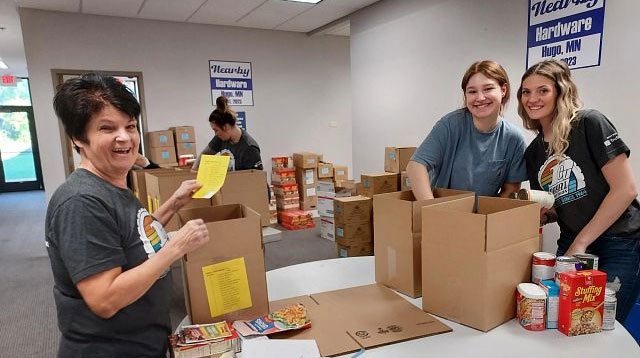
<point>222,114</point>
<point>79,99</point>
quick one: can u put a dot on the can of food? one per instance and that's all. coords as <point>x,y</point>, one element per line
<point>587,261</point>
<point>566,264</point>
<point>543,266</point>
<point>531,306</point>
<point>544,198</point>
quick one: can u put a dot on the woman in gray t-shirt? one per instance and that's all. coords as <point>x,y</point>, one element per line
<point>472,148</point>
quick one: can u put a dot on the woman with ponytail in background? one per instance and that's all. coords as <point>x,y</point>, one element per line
<point>231,140</point>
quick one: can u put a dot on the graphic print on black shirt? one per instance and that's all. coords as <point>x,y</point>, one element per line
<point>563,178</point>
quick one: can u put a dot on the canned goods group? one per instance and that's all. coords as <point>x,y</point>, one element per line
<point>566,264</point>
<point>587,261</point>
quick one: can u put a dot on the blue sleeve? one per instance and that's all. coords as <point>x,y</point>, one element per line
<point>431,152</point>
<point>517,166</point>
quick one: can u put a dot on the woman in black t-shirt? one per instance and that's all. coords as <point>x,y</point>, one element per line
<point>231,140</point>
<point>579,158</point>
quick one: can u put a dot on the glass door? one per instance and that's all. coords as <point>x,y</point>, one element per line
<point>20,164</point>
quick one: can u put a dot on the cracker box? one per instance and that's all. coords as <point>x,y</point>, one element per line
<point>581,300</point>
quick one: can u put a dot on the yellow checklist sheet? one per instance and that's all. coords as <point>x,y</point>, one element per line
<point>211,174</point>
<point>227,286</point>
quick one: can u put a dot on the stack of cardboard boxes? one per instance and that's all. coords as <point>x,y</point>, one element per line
<point>185,138</point>
<point>161,148</point>
<point>327,192</point>
<point>286,192</point>
<point>352,218</point>
<point>306,165</point>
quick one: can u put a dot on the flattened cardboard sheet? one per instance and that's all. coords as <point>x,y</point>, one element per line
<point>347,320</point>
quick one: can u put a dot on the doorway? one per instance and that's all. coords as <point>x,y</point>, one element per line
<point>20,168</point>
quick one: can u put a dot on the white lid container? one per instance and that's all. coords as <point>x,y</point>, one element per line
<point>531,290</point>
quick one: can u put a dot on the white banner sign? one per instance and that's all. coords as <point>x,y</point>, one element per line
<point>569,30</point>
<point>232,80</point>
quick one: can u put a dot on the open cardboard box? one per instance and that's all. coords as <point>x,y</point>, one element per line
<point>348,320</point>
<point>248,187</point>
<point>234,232</point>
<point>473,259</point>
<point>397,220</point>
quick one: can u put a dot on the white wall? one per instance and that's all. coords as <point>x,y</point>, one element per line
<point>301,83</point>
<point>408,58</point>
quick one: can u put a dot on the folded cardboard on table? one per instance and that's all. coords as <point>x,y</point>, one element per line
<point>234,232</point>
<point>474,256</point>
<point>397,220</point>
<point>348,320</point>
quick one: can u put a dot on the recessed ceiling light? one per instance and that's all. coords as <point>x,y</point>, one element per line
<point>305,1</point>
<point>3,65</point>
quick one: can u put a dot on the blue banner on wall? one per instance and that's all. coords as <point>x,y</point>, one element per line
<point>232,80</point>
<point>569,30</point>
<point>242,120</point>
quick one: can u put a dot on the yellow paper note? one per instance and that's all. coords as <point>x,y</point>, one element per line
<point>211,174</point>
<point>227,286</point>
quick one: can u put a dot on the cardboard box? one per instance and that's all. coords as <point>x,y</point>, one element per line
<point>306,176</point>
<point>363,312</point>
<point>325,170</point>
<point>352,209</point>
<point>235,233</point>
<point>340,172</point>
<point>327,228</point>
<point>283,176</point>
<point>184,134</point>
<point>186,148</point>
<point>159,139</point>
<point>397,220</point>
<point>397,158</point>
<point>162,184</point>
<point>354,233</point>
<point>248,187</point>
<point>139,184</point>
<point>373,184</point>
<point>308,192</point>
<point>405,183</point>
<point>310,203</point>
<point>472,260</point>
<point>305,160</point>
<point>354,250</point>
<point>163,155</point>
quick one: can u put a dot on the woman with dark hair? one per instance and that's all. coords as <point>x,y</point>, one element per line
<point>472,148</point>
<point>109,256</point>
<point>231,140</point>
<point>579,158</point>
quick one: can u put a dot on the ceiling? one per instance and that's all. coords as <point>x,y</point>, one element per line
<point>328,17</point>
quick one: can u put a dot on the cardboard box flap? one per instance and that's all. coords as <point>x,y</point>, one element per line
<point>235,218</point>
<point>453,223</point>
<point>343,321</point>
<point>508,221</point>
<point>401,209</point>
<point>331,342</point>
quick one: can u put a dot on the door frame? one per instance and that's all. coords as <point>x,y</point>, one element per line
<point>66,145</point>
<point>38,184</point>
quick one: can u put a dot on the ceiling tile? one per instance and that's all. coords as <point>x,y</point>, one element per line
<point>273,13</point>
<point>224,12</point>
<point>314,18</point>
<point>53,5</point>
<point>170,10</point>
<point>353,4</point>
<point>124,8</point>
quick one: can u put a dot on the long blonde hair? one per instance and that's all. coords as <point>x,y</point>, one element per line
<point>568,103</point>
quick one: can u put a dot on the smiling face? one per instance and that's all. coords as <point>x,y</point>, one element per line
<point>483,96</point>
<point>111,145</point>
<point>538,96</point>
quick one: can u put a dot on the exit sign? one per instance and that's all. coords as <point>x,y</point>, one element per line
<point>8,80</point>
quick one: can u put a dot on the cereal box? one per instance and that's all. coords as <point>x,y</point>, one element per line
<point>581,299</point>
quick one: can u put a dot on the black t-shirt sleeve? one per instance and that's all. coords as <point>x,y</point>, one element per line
<point>602,137</point>
<point>88,237</point>
<point>253,159</point>
<point>532,160</point>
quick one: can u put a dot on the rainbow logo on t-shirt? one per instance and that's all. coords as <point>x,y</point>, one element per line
<point>151,232</point>
<point>563,178</point>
